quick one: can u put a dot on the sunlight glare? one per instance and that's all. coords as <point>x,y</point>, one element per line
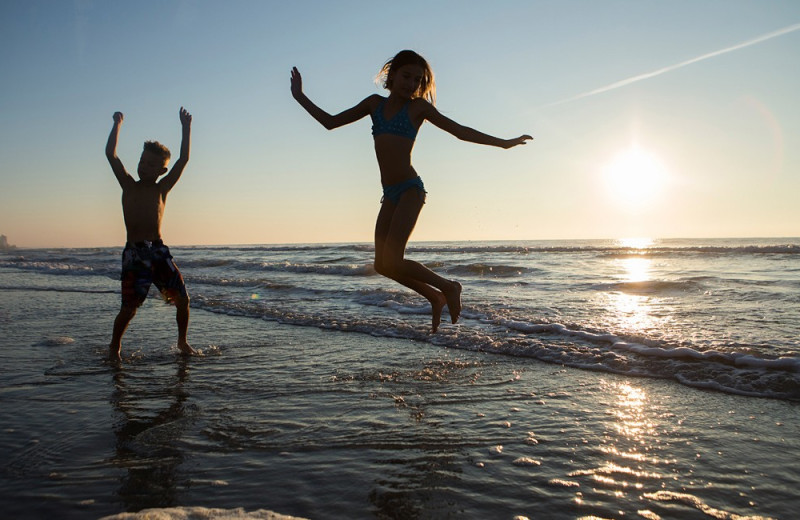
<point>635,177</point>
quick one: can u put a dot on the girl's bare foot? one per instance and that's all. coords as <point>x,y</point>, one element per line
<point>436,310</point>
<point>186,350</point>
<point>453,296</point>
<point>114,352</point>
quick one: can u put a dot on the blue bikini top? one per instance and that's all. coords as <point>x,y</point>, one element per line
<point>400,124</point>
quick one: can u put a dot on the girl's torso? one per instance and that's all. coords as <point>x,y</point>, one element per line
<point>398,124</point>
<point>395,123</point>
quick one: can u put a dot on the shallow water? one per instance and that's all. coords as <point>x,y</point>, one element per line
<point>721,313</point>
<point>288,411</point>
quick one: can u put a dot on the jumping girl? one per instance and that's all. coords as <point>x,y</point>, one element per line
<point>395,122</point>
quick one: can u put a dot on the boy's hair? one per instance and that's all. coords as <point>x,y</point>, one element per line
<point>158,149</point>
<point>427,87</point>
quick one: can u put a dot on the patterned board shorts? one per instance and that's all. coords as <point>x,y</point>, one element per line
<point>147,263</point>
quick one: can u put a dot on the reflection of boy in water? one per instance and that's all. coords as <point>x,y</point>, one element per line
<point>148,447</point>
<point>146,260</point>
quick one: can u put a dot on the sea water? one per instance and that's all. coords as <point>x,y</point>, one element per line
<point>608,379</point>
<point>722,314</point>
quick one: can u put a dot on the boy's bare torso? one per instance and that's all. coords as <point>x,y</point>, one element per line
<point>143,207</point>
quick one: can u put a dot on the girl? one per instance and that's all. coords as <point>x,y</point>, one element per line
<point>395,122</point>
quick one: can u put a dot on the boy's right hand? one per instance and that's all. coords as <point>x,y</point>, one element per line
<point>185,117</point>
<point>118,117</point>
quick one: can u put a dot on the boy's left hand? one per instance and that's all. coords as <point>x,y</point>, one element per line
<point>186,117</point>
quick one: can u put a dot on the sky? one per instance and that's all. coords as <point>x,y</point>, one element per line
<point>672,119</point>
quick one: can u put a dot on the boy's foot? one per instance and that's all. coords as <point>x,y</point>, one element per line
<point>453,296</point>
<point>114,352</point>
<point>436,311</point>
<point>186,350</point>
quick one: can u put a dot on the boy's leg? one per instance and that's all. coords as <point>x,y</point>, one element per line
<point>124,317</point>
<point>169,280</point>
<point>136,280</point>
<point>182,317</point>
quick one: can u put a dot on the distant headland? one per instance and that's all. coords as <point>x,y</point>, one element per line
<point>4,245</point>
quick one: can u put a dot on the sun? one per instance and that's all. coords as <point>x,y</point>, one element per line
<point>635,177</point>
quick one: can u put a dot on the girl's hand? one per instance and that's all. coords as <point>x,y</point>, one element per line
<point>511,143</point>
<point>297,83</point>
<point>118,117</point>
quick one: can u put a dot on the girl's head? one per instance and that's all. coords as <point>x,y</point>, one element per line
<point>408,71</point>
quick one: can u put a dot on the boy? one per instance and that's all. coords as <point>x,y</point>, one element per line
<point>146,259</point>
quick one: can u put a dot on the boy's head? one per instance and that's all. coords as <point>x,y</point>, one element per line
<point>154,160</point>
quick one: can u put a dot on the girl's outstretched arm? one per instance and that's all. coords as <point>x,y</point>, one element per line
<point>325,119</point>
<point>466,133</point>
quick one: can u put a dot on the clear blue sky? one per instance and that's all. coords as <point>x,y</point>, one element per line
<point>712,134</point>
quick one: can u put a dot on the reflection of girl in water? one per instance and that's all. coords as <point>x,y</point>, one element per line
<point>395,122</point>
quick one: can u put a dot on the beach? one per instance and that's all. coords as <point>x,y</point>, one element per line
<point>369,417</point>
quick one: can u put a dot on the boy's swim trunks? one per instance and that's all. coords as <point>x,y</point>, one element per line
<point>145,263</point>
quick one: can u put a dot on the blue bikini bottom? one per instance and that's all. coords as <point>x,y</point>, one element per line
<point>395,191</point>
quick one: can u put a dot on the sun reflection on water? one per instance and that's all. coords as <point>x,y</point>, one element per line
<point>636,269</point>
<point>629,463</point>
<point>632,301</point>
<point>636,242</point>
<point>630,412</point>
<point>630,451</point>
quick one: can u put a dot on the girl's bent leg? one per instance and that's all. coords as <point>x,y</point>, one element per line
<point>435,297</point>
<point>450,288</point>
<point>392,231</point>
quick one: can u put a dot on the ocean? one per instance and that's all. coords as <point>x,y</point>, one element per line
<point>586,379</point>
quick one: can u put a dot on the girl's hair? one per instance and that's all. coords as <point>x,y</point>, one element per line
<point>427,87</point>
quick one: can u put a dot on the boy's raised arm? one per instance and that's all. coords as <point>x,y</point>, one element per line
<point>111,151</point>
<point>177,169</point>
